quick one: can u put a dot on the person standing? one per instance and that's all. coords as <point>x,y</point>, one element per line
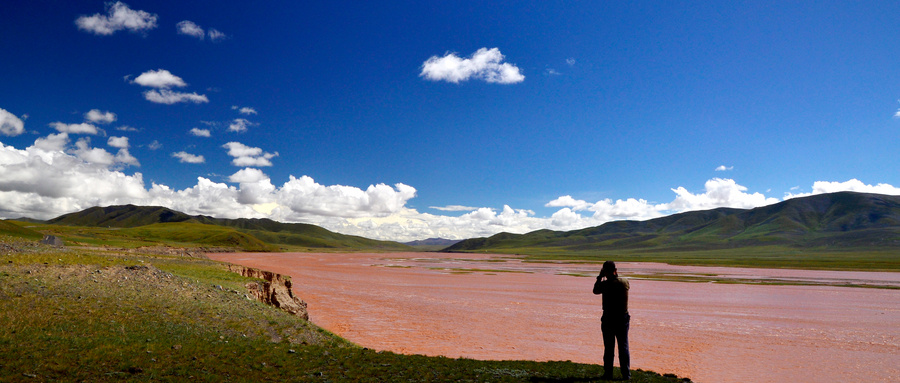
<point>615,320</point>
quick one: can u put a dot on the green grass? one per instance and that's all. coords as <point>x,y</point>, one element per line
<point>760,257</point>
<point>92,315</point>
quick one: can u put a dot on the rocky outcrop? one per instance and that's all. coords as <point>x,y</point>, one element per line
<point>52,240</point>
<point>275,290</point>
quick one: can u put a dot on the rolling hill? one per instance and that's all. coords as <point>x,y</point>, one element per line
<point>159,223</point>
<point>844,220</point>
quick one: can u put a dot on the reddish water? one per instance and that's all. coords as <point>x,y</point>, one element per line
<point>437,304</point>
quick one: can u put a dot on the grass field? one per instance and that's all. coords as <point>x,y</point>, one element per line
<point>761,257</point>
<point>93,315</point>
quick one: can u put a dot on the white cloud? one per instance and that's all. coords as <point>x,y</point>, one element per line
<point>853,185</point>
<point>201,132</point>
<point>240,125</point>
<point>125,158</point>
<point>454,208</point>
<point>83,128</point>
<point>185,157</point>
<point>154,145</point>
<point>10,125</point>
<point>159,78</point>
<point>215,35</point>
<point>723,168</point>
<point>119,16</point>
<point>570,61</point>
<point>189,28</point>
<point>98,117</point>
<point>244,110</point>
<point>118,142</point>
<point>50,178</point>
<point>126,128</point>
<point>719,192</point>
<point>485,64</point>
<point>246,156</point>
<point>168,97</point>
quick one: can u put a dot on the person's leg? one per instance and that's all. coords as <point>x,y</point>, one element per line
<point>609,348</point>
<point>624,354</point>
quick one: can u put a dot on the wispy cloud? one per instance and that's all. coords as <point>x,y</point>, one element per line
<point>246,110</point>
<point>186,157</point>
<point>453,208</point>
<point>118,17</point>
<point>485,64</point>
<point>215,35</point>
<point>168,97</point>
<point>723,168</point>
<point>190,28</point>
<point>82,128</point>
<point>200,132</point>
<point>239,125</point>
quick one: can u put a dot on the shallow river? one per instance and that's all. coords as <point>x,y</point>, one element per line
<point>496,307</point>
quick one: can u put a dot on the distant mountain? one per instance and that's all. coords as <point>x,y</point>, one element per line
<point>433,242</point>
<point>842,220</point>
<point>265,230</point>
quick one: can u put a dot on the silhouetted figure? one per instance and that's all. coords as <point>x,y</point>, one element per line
<point>615,319</point>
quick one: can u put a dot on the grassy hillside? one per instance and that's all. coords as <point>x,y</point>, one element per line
<point>274,234</point>
<point>71,315</point>
<point>16,229</point>
<point>839,230</point>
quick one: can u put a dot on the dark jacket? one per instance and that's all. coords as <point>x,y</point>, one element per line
<point>615,295</point>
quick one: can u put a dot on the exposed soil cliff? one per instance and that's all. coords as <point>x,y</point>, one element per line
<point>275,290</point>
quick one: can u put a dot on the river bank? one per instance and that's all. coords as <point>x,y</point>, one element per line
<point>491,307</point>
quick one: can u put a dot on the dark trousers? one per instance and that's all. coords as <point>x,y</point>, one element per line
<point>615,328</point>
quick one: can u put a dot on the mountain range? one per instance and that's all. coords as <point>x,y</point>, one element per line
<point>844,220</point>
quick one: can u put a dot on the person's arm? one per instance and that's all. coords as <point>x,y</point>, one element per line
<point>598,286</point>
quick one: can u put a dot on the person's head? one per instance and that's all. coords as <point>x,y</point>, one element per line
<point>609,268</point>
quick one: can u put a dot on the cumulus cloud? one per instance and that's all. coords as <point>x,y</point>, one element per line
<point>854,185</point>
<point>159,78</point>
<point>719,192</point>
<point>83,128</point>
<point>201,132</point>
<point>485,64</point>
<point>723,168</point>
<point>118,17</point>
<point>245,156</point>
<point>190,28</point>
<point>185,157</point>
<point>10,125</point>
<point>51,178</point>
<point>118,142</point>
<point>98,117</point>
<point>169,97</point>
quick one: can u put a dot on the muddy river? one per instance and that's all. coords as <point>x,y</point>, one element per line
<point>711,324</point>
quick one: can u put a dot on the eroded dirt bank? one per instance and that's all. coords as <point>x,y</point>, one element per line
<point>490,307</point>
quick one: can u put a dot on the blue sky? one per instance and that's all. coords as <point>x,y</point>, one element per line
<point>410,120</point>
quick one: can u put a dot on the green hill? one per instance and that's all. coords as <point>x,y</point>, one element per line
<point>14,229</point>
<point>262,231</point>
<point>837,222</point>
